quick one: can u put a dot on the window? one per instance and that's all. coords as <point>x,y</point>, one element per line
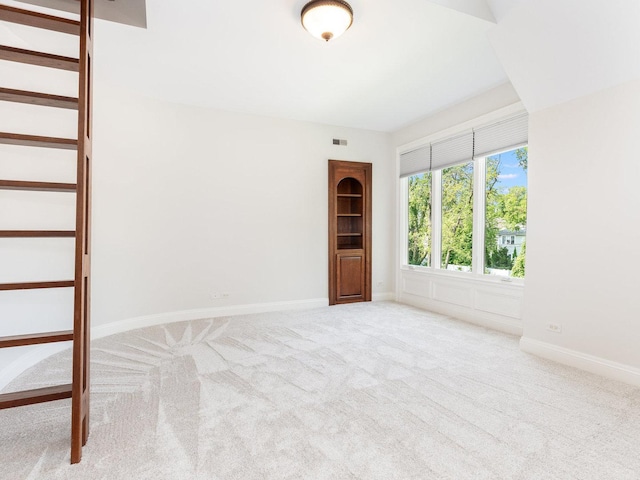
<point>419,238</point>
<point>457,217</point>
<point>466,207</point>
<point>505,212</point>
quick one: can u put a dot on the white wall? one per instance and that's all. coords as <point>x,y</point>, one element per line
<point>585,169</point>
<point>494,99</point>
<point>187,202</point>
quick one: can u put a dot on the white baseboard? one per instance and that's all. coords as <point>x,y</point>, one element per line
<point>583,361</point>
<point>383,297</point>
<point>39,353</point>
<point>180,316</point>
<point>232,310</point>
<point>28,360</point>
<point>483,319</point>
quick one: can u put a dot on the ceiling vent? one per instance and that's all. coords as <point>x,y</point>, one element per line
<point>338,141</point>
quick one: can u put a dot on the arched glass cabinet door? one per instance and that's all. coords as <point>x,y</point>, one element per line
<point>349,214</point>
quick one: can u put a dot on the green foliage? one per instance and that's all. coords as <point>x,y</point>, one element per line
<point>518,264</point>
<point>419,247</point>
<point>505,209</point>
<point>501,259</point>
<point>514,208</point>
<point>457,215</point>
<point>522,154</point>
<point>493,209</point>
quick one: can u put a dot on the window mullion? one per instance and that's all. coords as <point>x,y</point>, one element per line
<point>436,220</point>
<point>479,204</point>
<point>404,221</point>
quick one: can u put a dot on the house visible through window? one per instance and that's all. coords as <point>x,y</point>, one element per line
<point>505,212</point>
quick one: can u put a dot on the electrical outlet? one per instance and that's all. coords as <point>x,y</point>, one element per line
<point>218,295</point>
<point>380,283</point>
<point>554,327</point>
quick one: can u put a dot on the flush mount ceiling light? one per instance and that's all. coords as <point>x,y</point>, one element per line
<point>327,19</point>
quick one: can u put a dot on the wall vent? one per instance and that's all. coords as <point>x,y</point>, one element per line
<point>338,141</point>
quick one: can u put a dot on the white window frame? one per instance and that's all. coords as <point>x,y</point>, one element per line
<point>479,206</point>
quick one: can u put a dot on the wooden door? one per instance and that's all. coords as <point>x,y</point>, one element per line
<point>350,284</point>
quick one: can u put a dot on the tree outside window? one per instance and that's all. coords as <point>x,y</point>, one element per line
<point>419,237</point>
<point>505,215</point>
<point>457,217</point>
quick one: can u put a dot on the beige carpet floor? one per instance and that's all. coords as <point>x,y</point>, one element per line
<point>363,391</point>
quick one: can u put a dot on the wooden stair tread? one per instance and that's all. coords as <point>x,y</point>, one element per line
<point>38,141</point>
<point>36,339</point>
<point>37,186</point>
<point>37,395</point>
<point>39,20</point>
<point>36,233</point>
<point>41,59</point>
<point>37,98</point>
<point>35,285</point>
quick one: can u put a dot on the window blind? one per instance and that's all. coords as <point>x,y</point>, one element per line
<point>480,142</point>
<point>504,135</point>
<point>415,161</point>
<point>452,150</point>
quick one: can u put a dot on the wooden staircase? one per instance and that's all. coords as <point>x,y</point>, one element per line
<point>78,389</point>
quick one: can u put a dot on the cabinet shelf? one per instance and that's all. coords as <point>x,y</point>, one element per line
<point>349,234</point>
<point>350,195</point>
<point>349,214</point>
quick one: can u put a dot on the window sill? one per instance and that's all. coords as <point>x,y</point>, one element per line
<point>465,276</point>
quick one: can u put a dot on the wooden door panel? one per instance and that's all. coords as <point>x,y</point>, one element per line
<point>350,273</point>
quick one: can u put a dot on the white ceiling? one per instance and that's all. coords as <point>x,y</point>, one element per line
<point>401,61</point>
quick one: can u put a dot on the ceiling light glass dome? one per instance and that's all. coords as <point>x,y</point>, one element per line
<point>327,19</point>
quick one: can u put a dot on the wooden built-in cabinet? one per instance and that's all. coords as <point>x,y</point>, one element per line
<point>349,232</point>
